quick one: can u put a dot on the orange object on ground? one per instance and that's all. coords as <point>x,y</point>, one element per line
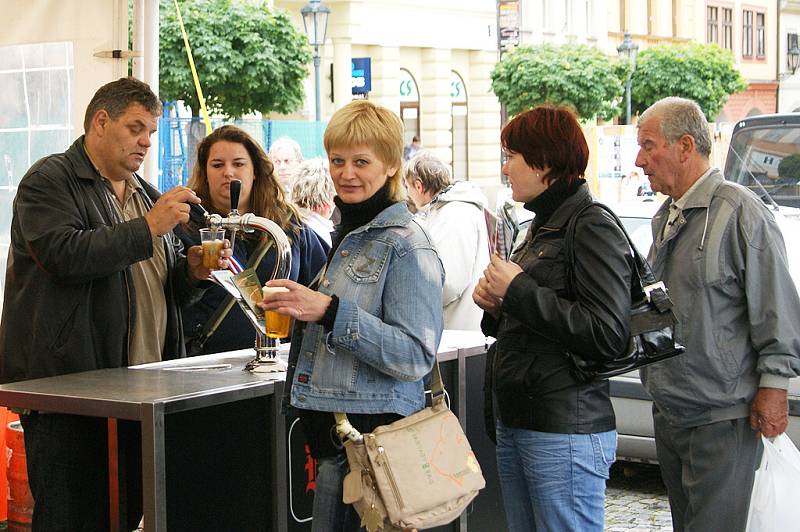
<point>3,465</point>
<point>20,500</point>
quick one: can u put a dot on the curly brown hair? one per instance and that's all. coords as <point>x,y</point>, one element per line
<point>267,198</point>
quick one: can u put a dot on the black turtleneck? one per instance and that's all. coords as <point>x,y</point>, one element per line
<point>546,203</point>
<point>354,215</point>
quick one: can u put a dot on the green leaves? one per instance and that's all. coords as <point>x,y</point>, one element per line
<point>705,73</point>
<point>575,75</point>
<point>249,57</point>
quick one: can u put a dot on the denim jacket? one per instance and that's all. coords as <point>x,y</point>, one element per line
<point>388,278</point>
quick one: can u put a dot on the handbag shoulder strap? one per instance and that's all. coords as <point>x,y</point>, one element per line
<point>347,431</point>
<point>643,282</point>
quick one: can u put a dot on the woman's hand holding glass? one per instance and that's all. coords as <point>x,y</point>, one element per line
<point>298,301</point>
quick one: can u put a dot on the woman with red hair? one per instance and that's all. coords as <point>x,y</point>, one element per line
<point>556,437</point>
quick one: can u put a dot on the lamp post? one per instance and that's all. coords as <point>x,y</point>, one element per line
<point>628,50</point>
<point>315,21</point>
<point>793,58</point>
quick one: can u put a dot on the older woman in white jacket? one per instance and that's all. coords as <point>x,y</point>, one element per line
<point>452,213</point>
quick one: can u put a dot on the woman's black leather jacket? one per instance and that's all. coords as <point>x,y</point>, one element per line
<point>528,373</point>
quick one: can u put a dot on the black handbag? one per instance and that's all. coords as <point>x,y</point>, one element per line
<point>652,328</point>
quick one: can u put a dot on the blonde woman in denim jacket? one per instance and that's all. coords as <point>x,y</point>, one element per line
<point>364,341</point>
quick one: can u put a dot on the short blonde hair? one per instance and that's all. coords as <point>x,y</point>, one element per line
<point>362,123</point>
<point>312,187</point>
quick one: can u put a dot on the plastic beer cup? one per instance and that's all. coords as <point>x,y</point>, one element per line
<point>212,240</point>
<point>276,325</point>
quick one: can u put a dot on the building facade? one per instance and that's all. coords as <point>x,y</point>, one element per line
<point>749,28</point>
<point>430,62</point>
<point>789,29</point>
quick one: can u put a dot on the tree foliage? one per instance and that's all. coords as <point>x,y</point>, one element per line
<point>249,57</point>
<point>789,166</point>
<point>705,73</point>
<point>576,75</point>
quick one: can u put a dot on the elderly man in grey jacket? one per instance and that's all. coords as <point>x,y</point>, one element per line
<point>719,251</point>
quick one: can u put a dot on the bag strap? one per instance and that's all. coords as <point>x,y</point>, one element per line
<point>346,431</point>
<point>643,282</point>
<point>212,324</point>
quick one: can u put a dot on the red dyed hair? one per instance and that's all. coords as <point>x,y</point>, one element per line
<point>549,135</point>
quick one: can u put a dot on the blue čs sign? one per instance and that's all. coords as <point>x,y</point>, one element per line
<point>361,75</point>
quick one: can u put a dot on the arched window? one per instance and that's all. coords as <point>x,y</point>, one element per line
<point>459,129</point>
<point>409,105</point>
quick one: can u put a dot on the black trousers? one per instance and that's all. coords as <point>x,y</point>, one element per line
<point>67,458</point>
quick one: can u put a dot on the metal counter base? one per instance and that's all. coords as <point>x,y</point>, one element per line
<point>215,450</point>
<point>192,422</point>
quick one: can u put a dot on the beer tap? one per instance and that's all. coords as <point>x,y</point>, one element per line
<point>235,190</point>
<point>266,347</point>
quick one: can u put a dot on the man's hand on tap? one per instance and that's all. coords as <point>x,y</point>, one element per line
<point>194,258</point>
<point>300,302</point>
<point>171,209</point>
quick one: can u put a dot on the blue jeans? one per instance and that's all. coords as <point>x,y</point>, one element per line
<point>554,482</point>
<point>330,514</point>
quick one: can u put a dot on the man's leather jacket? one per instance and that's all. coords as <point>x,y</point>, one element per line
<point>528,372</point>
<point>69,298</point>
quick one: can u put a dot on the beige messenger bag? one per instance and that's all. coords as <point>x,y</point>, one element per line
<point>418,472</point>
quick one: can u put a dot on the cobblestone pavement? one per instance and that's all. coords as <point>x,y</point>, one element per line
<point>636,499</point>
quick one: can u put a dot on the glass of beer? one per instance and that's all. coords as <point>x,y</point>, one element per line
<point>212,240</point>
<point>276,325</point>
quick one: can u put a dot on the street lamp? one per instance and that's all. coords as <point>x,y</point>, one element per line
<point>793,58</point>
<point>315,21</point>
<point>628,50</point>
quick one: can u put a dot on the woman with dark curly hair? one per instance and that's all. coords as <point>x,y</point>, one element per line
<point>556,436</point>
<point>230,153</point>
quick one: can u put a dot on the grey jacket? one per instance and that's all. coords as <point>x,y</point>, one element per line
<point>726,269</point>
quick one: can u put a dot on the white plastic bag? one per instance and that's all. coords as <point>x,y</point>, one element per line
<point>773,503</point>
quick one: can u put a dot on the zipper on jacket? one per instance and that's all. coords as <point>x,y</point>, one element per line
<point>382,461</point>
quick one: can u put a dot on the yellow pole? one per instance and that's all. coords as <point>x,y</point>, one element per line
<point>202,100</point>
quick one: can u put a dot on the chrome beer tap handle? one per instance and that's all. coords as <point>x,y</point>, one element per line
<point>266,359</point>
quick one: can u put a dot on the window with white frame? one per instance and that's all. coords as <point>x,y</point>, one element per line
<point>727,28</point>
<point>712,24</point>
<point>36,85</point>
<point>747,33</point>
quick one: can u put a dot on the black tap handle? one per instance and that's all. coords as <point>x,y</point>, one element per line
<point>236,188</point>
<point>198,210</point>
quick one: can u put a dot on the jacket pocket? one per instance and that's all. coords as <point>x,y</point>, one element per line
<point>368,262</point>
<point>513,374</point>
<point>60,331</point>
<point>334,371</point>
<point>545,263</point>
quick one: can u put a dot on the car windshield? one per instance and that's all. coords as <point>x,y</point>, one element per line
<point>767,160</point>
